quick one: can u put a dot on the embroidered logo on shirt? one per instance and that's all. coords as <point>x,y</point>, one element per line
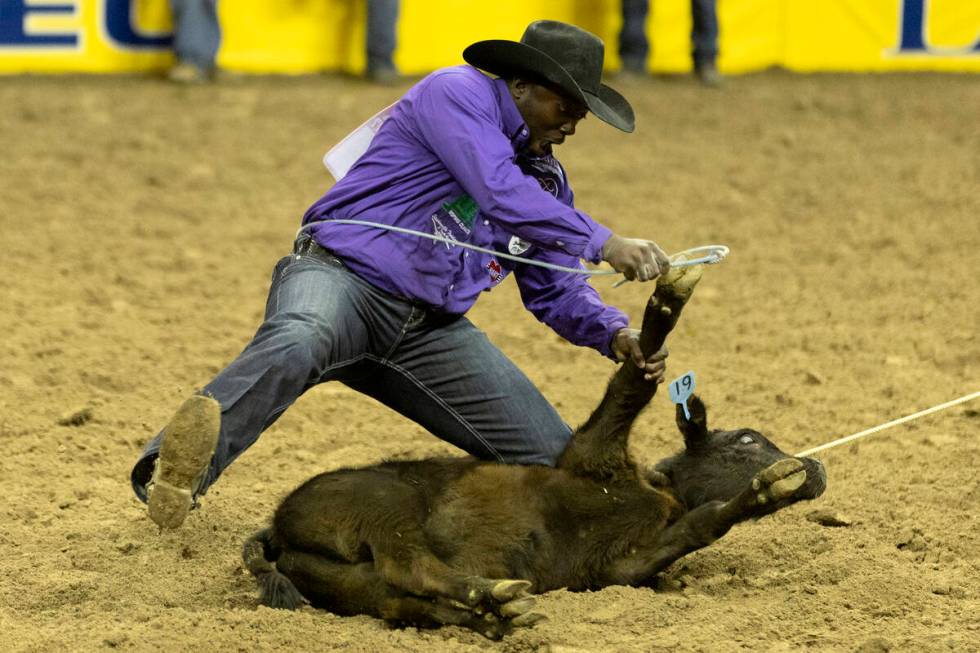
<point>516,246</point>
<point>454,219</point>
<point>545,169</point>
<point>442,230</point>
<point>496,272</point>
<point>462,210</point>
<point>542,165</point>
<point>549,185</point>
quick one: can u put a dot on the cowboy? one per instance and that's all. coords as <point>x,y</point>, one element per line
<point>465,154</point>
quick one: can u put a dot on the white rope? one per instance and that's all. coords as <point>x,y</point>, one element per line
<point>712,253</point>
<point>896,422</point>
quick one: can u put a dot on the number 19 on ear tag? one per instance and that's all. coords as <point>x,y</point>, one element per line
<point>680,389</point>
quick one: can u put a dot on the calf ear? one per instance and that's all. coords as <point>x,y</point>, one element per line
<point>695,429</point>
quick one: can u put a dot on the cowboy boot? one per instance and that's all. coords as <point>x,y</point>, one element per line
<point>188,443</point>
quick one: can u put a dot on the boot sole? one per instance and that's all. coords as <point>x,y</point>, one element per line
<point>188,444</point>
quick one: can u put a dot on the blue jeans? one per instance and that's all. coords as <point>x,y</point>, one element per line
<point>323,323</point>
<point>196,32</point>
<point>634,47</point>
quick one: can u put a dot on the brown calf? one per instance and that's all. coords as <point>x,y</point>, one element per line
<point>462,541</point>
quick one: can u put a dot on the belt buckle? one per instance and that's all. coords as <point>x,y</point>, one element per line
<point>304,247</point>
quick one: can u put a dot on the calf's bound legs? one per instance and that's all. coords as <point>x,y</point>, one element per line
<point>351,588</point>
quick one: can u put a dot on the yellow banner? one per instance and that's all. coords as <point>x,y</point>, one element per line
<point>302,36</point>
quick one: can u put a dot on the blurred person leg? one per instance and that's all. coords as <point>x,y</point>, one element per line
<point>197,36</point>
<point>704,41</point>
<point>382,22</point>
<point>634,48</point>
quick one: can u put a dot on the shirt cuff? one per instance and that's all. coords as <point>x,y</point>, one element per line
<point>593,250</point>
<point>614,326</point>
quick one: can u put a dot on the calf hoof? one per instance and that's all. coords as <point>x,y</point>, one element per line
<point>528,619</point>
<point>507,590</point>
<point>496,627</point>
<point>516,607</point>
<point>495,608</point>
<point>680,282</point>
<point>492,627</point>
<point>778,481</point>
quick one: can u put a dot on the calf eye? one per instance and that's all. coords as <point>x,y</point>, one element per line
<point>746,439</point>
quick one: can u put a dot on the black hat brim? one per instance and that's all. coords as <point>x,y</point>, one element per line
<point>511,58</point>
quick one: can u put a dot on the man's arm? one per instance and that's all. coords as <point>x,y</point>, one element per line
<point>569,305</point>
<point>457,118</point>
<point>573,309</point>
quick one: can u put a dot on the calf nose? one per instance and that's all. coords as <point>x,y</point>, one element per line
<point>816,478</point>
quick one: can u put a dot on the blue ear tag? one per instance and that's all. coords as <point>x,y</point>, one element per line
<point>680,389</point>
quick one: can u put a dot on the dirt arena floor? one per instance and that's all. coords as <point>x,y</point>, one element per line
<point>140,223</point>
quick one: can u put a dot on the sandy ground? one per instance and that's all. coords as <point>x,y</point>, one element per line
<point>140,223</point>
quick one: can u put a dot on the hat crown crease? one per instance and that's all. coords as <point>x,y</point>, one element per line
<point>579,52</point>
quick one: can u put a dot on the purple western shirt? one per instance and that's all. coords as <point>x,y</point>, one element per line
<point>444,162</point>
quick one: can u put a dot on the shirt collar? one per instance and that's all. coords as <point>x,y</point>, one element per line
<point>514,126</point>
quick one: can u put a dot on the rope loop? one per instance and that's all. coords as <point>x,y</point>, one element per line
<point>709,254</point>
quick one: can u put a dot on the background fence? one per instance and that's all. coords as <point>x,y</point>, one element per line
<point>300,36</point>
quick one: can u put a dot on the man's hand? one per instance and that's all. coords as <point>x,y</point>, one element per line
<point>626,345</point>
<point>637,259</point>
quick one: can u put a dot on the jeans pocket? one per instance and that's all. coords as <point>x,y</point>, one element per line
<point>278,272</point>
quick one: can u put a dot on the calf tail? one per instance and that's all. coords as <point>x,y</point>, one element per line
<point>275,589</point>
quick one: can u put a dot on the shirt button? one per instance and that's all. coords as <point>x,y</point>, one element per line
<point>559,243</point>
<point>451,286</point>
<point>465,254</point>
<point>486,222</point>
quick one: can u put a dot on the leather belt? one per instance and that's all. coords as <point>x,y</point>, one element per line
<point>307,246</point>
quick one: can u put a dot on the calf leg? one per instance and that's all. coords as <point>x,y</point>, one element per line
<point>374,516</point>
<point>350,589</point>
<point>371,516</point>
<point>399,556</point>
<point>598,448</point>
<point>707,523</point>
<point>415,570</point>
<point>341,587</point>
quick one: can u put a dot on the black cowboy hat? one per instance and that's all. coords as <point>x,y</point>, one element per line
<point>564,55</point>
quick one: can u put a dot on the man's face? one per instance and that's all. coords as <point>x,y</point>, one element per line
<point>550,115</point>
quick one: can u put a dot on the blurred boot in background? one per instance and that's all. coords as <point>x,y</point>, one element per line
<point>196,40</point>
<point>704,41</point>
<point>382,20</point>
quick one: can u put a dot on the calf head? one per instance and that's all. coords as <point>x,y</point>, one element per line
<point>718,465</point>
